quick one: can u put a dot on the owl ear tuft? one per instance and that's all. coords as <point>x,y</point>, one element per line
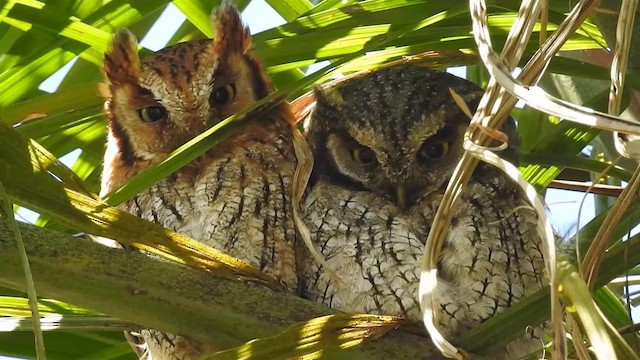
<point>231,35</point>
<point>329,96</point>
<point>319,95</point>
<point>122,64</point>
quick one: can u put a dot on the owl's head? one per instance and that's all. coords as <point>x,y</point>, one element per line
<point>157,104</point>
<point>396,132</point>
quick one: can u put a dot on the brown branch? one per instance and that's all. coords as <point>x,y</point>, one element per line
<point>629,329</point>
<point>598,189</point>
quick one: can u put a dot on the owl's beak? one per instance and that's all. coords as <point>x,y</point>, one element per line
<point>401,196</point>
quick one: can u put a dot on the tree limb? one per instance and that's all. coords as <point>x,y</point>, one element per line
<point>172,297</point>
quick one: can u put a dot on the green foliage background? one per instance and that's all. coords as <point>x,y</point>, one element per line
<point>38,38</point>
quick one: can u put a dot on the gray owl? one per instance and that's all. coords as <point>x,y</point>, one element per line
<point>385,145</point>
<point>236,197</point>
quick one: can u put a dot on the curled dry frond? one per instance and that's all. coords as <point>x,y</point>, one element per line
<point>494,107</point>
<point>601,241</point>
<point>543,226</point>
<point>301,177</point>
<point>535,96</point>
<point>492,103</point>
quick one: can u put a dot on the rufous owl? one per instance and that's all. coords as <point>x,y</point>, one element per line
<point>236,197</point>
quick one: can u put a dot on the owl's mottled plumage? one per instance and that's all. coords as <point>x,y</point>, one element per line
<point>234,198</point>
<point>385,145</point>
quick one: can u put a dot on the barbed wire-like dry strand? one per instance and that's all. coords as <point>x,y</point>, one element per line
<point>301,177</point>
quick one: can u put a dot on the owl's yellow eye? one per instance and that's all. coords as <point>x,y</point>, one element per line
<point>363,156</point>
<point>432,151</point>
<point>223,94</point>
<point>152,113</point>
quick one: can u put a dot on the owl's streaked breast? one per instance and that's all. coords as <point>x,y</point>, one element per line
<point>234,198</point>
<point>365,241</point>
<point>243,201</point>
<point>491,257</point>
<point>237,202</point>
<point>168,203</point>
